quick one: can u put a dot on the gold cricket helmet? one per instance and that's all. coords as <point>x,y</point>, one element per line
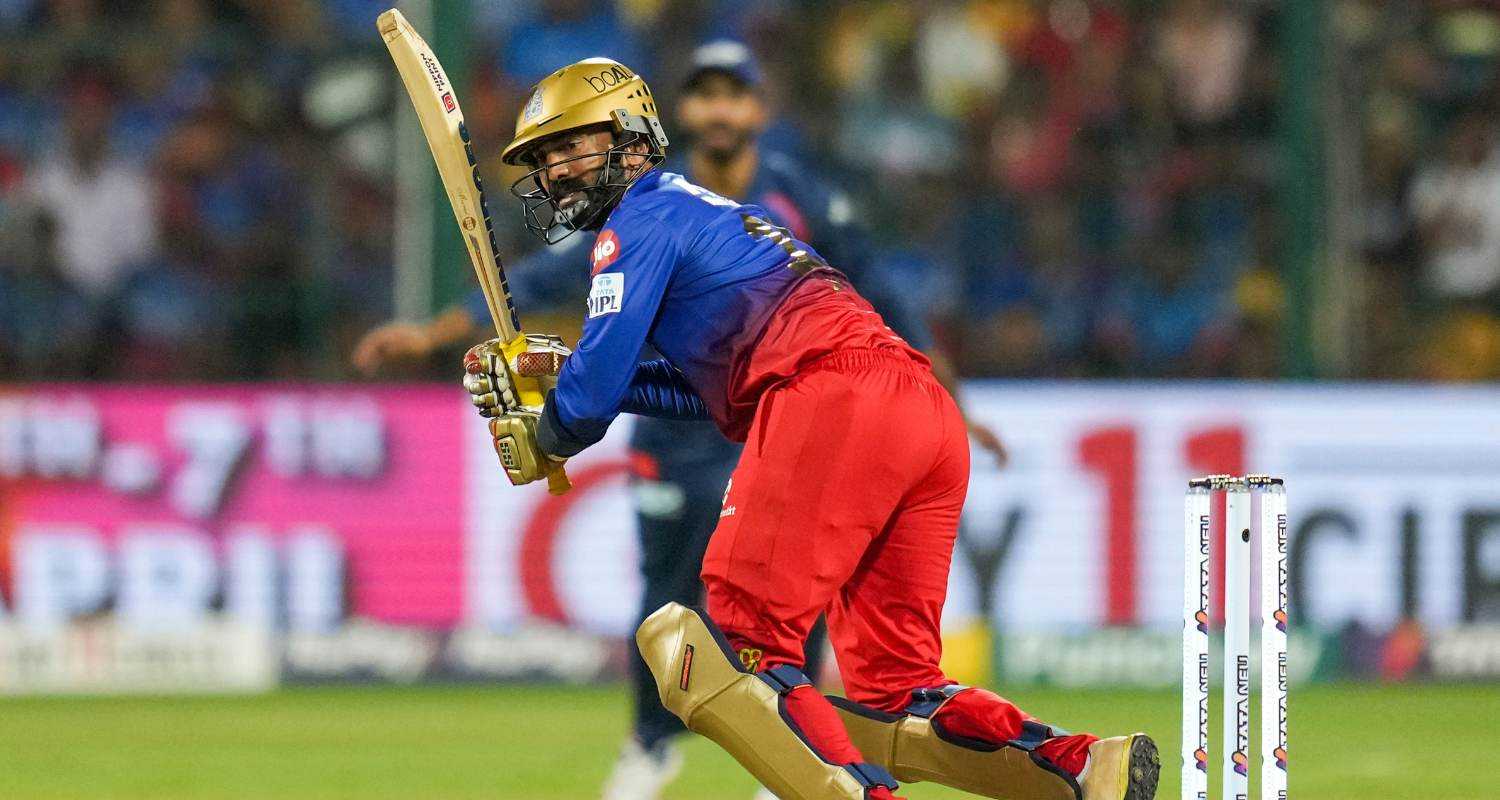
<point>589,92</point>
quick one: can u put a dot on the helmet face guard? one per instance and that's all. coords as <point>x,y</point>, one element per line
<point>540,207</point>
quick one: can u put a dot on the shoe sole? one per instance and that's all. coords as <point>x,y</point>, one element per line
<point>1145,769</point>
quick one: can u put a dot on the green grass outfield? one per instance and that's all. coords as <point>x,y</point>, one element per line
<point>518,743</point>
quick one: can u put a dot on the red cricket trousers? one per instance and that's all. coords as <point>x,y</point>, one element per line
<point>846,500</point>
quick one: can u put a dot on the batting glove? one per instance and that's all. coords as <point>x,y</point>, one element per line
<point>499,385</point>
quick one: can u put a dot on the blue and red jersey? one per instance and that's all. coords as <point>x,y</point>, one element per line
<point>813,211</point>
<point>699,278</point>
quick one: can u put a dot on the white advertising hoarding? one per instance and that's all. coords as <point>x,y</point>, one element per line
<point>1394,499</point>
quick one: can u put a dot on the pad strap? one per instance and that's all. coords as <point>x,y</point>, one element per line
<point>1034,733</point>
<point>917,748</point>
<point>785,678</point>
<point>925,702</point>
<point>870,776</point>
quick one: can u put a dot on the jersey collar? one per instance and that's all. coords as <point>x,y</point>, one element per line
<point>645,183</point>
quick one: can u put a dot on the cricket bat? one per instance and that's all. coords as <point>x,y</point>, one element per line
<point>443,124</point>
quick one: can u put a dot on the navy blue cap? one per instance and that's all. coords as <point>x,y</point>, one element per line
<point>725,57</point>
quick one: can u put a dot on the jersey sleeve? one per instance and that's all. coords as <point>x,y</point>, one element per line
<point>634,259</point>
<point>661,390</point>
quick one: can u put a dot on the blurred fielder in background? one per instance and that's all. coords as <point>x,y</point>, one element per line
<point>679,468</point>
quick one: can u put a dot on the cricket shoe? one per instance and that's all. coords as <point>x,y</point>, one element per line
<point>641,774</point>
<point>1122,768</point>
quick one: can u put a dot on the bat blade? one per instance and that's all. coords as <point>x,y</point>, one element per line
<point>442,121</point>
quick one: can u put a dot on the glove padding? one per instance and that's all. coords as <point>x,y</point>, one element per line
<point>508,382</point>
<point>514,435</point>
<point>499,384</point>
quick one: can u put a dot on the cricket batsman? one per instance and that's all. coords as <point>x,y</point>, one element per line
<point>679,468</point>
<point>846,498</point>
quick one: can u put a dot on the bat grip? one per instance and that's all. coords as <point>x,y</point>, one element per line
<point>557,481</point>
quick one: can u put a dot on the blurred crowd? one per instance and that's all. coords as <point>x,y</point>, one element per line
<point>203,189</point>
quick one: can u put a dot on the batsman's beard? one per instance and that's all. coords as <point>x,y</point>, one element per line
<point>574,202</point>
<point>555,209</point>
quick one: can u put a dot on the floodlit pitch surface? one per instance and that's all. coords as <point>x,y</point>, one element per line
<point>516,743</point>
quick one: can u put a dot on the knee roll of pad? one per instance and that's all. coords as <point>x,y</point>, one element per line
<point>915,748</point>
<point>701,681</point>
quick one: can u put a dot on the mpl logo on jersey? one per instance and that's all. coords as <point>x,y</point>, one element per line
<point>606,250</point>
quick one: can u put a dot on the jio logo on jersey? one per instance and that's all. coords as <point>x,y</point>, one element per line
<point>606,250</point>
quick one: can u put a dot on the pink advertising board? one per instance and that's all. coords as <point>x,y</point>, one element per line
<point>380,469</point>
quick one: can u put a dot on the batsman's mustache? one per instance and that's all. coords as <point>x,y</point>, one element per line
<point>566,186</point>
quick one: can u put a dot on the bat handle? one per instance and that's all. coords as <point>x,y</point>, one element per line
<point>557,482</point>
